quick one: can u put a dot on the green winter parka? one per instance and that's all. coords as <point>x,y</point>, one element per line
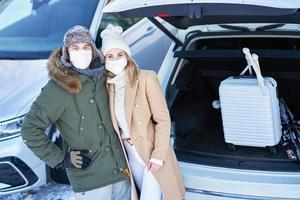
<point>79,108</point>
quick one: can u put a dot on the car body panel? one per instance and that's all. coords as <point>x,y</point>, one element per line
<point>148,44</point>
<point>15,75</point>
<point>201,180</point>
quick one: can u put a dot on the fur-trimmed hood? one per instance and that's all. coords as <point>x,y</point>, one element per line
<point>62,75</point>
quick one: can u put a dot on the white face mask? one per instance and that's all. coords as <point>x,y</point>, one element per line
<point>116,66</point>
<point>81,59</point>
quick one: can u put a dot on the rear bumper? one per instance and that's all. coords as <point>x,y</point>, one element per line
<point>206,183</point>
<point>20,169</point>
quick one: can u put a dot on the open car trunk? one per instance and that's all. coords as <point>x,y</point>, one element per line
<point>198,130</point>
<point>198,135</point>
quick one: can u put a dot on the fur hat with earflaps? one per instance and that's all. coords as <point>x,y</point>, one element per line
<point>80,34</point>
<point>112,38</point>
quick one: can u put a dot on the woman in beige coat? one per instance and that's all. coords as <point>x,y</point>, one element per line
<point>140,116</point>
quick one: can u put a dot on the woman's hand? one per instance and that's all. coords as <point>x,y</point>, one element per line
<point>153,167</point>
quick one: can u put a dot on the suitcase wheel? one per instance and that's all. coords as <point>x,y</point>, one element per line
<point>231,147</point>
<point>273,150</point>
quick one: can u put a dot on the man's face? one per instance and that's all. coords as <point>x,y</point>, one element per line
<point>80,46</point>
<point>80,55</point>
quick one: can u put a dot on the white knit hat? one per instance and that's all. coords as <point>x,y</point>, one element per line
<point>111,39</point>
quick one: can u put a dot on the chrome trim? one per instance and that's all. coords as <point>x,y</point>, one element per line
<point>234,196</point>
<point>21,186</point>
<point>3,126</point>
<point>10,137</point>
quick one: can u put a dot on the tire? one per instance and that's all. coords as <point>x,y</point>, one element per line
<point>232,147</point>
<point>273,150</point>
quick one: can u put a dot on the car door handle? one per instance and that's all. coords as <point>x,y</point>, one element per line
<point>148,32</point>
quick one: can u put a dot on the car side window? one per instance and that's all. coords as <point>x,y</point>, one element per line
<point>114,19</point>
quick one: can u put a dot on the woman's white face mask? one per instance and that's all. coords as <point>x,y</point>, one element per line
<point>81,59</point>
<point>116,66</point>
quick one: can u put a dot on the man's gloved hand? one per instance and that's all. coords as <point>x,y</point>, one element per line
<point>75,158</point>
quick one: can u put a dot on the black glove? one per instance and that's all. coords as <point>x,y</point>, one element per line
<point>75,158</point>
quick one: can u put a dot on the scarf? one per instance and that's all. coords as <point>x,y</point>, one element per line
<point>94,74</point>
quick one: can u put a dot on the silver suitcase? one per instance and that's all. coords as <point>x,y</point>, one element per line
<point>250,108</point>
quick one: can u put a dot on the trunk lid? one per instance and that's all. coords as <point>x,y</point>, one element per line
<point>185,13</point>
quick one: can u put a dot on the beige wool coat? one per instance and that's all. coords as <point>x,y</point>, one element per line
<point>149,126</point>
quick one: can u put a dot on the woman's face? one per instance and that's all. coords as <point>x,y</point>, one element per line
<point>115,54</point>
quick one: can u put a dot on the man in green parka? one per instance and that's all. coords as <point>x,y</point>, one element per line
<point>75,100</point>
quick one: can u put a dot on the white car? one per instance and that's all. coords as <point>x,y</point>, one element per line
<point>206,50</point>
<point>29,31</point>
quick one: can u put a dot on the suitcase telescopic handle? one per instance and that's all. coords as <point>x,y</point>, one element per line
<point>253,62</point>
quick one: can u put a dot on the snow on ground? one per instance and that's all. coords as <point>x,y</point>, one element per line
<point>51,191</point>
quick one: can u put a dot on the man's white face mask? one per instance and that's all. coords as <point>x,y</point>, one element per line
<point>81,59</point>
<point>116,66</point>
